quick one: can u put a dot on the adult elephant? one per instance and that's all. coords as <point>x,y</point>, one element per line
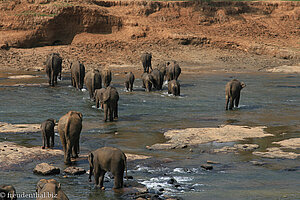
<point>53,68</point>
<point>107,159</point>
<point>108,98</point>
<point>162,67</point>
<point>147,81</point>
<point>106,77</point>
<point>92,81</point>
<point>174,88</point>
<point>50,189</point>
<point>129,80</point>
<point>69,128</point>
<point>232,93</point>
<point>173,71</point>
<point>158,79</point>
<point>146,61</point>
<point>77,74</point>
<point>7,192</point>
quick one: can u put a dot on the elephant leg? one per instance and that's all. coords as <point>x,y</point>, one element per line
<point>115,110</point>
<point>68,153</point>
<point>105,109</point>
<point>75,149</point>
<point>52,140</point>
<point>231,103</point>
<point>48,141</point>
<point>44,140</point>
<point>111,113</point>
<point>131,87</point>
<point>226,104</point>
<point>237,100</point>
<point>101,178</point>
<point>118,179</point>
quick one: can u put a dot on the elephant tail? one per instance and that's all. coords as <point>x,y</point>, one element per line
<point>125,164</point>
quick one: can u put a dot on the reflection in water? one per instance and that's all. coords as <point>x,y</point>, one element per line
<point>268,100</point>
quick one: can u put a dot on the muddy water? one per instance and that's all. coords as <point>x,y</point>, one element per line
<point>271,100</point>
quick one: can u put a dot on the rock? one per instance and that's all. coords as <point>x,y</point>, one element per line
<point>276,152</point>
<point>246,147</point>
<point>74,170</point>
<point>128,177</point>
<point>207,167</point>
<point>257,163</point>
<point>195,136</point>
<point>171,181</point>
<point>212,162</point>
<point>46,169</point>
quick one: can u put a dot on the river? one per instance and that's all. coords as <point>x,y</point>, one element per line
<point>271,100</point>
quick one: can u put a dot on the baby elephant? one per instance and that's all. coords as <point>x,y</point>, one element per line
<point>108,98</point>
<point>107,159</point>
<point>50,189</point>
<point>174,88</point>
<point>232,91</point>
<point>129,81</point>
<point>7,192</point>
<point>47,128</point>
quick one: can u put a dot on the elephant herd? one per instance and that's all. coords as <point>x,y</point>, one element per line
<point>70,125</point>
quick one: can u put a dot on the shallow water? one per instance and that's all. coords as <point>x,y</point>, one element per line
<point>270,100</point>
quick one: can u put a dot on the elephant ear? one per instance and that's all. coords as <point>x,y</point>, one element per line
<point>91,159</point>
<point>106,94</point>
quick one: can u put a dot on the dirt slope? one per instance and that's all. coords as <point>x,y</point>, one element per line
<point>230,36</point>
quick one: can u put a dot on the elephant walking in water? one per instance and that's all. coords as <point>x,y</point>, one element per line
<point>147,81</point>
<point>174,88</point>
<point>77,74</point>
<point>129,80</point>
<point>146,61</point>
<point>106,77</point>
<point>108,98</point>
<point>232,92</point>
<point>107,159</point>
<point>47,128</point>
<point>92,82</point>
<point>173,71</point>
<point>53,68</point>
<point>158,79</point>
<point>69,128</point>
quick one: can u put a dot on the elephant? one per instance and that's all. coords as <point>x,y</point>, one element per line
<point>162,67</point>
<point>50,189</point>
<point>107,159</point>
<point>108,98</point>
<point>47,129</point>
<point>77,74</point>
<point>174,88</point>
<point>147,81</point>
<point>7,192</point>
<point>232,91</point>
<point>173,70</point>
<point>146,61</point>
<point>106,77</point>
<point>92,81</point>
<point>158,79</point>
<point>53,68</point>
<point>129,80</point>
<point>69,128</point>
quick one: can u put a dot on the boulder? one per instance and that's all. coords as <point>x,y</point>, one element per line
<point>75,170</point>
<point>46,169</point>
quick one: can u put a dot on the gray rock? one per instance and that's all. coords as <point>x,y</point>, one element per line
<point>207,167</point>
<point>46,169</point>
<point>74,170</point>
